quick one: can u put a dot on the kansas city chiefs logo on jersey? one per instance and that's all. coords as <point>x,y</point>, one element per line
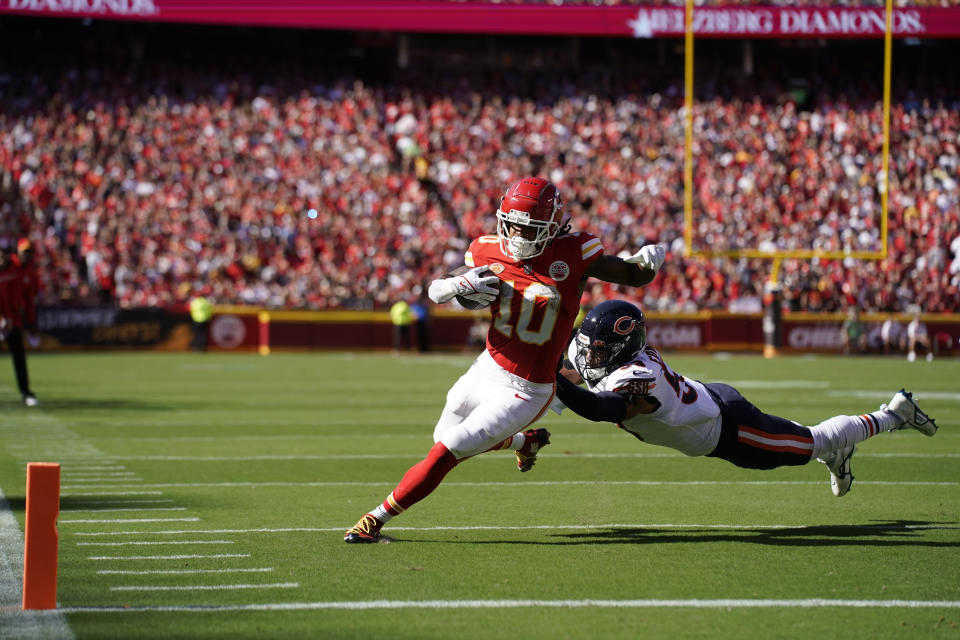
<point>559,270</point>
<point>496,267</point>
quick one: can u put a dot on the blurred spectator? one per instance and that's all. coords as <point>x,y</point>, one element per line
<point>854,332</point>
<point>892,335</point>
<point>401,317</point>
<point>201,310</point>
<point>421,311</point>
<point>917,336</point>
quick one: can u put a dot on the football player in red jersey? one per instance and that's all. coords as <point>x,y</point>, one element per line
<point>12,311</point>
<point>532,273</point>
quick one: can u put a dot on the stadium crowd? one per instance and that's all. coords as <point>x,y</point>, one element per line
<point>301,190</point>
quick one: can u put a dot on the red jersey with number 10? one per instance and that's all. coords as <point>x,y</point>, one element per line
<point>539,300</point>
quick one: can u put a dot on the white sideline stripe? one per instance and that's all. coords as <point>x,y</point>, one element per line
<point>514,604</point>
<point>125,509</point>
<point>742,527</point>
<point>209,587</point>
<point>144,543</point>
<point>129,520</point>
<point>180,572</point>
<point>23,625</point>
<point>547,483</point>
<point>193,556</point>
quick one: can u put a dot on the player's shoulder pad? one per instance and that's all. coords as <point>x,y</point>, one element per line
<point>479,247</point>
<point>590,246</point>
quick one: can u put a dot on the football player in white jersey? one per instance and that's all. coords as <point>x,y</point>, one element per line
<point>632,386</point>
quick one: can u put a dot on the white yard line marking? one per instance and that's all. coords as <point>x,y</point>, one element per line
<point>77,481</point>
<point>546,483</point>
<point>125,509</point>
<point>740,527</point>
<point>208,587</point>
<point>869,394</point>
<point>67,471</point>
<point>780,384</point>
<point>146,543</point>
<point>412,456</point>
<point>181,572</point>
<point>85,503</point>
<point>87,494</point>
<point>129,520</point>
<point>193,556</point>
<point>558,604</point>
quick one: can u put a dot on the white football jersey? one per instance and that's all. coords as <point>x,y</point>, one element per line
<point>687,419</point>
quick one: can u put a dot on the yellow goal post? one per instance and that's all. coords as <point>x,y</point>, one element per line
<point>779,255</point>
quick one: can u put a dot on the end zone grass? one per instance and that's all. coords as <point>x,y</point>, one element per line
<point>205,495</point>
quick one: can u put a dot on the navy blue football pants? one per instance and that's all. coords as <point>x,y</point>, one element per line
<point>752,439</point>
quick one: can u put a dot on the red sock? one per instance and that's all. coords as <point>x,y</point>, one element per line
<point>421,479</point>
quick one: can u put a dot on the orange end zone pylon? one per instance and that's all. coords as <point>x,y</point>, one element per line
<point>40,536</point>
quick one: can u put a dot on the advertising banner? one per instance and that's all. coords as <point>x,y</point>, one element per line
<point>546,19</point>
<point>107,327</point>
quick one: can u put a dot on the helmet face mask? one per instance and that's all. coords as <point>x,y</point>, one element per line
<point>608,338</point>
<point>529,217</point>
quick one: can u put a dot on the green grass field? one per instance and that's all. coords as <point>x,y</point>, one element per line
<point>206,495</point>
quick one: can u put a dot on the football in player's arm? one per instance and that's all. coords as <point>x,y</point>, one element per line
<point>630,384</point>
<point>530,275</point>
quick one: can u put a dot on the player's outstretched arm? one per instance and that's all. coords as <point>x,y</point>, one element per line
<point>605,406</point>
<point>633,399</point>
<point>638,270</point>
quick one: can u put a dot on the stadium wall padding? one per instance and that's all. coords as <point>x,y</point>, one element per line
<point>240,329</point>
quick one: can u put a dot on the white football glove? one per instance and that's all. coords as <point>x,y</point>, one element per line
<point>471,285</point>
<point>650,256</point>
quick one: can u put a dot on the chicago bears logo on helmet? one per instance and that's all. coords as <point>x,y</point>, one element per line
<point>623,325</point>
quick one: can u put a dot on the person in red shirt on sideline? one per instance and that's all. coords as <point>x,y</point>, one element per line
<point>30,278</point>
<point>12,312</point>
<point>531,274</point>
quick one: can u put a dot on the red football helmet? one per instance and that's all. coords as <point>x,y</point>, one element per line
<point>534,205</point>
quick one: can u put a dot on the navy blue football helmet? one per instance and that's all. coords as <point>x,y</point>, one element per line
<point>610,335</point>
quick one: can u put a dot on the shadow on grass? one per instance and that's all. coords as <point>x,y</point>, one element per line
<point>894,533</point>
<point>56,405</point>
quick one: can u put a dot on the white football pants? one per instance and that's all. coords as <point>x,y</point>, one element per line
<point>488,405</point>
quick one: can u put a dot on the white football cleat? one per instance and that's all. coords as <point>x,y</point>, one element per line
<point>906,408</point>
<point>838,462</point>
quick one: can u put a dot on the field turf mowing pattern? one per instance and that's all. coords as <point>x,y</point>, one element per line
<point>206,496</point>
